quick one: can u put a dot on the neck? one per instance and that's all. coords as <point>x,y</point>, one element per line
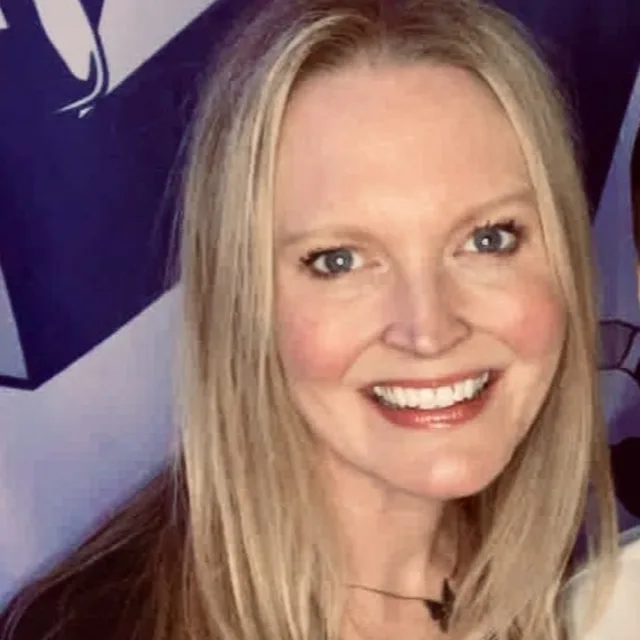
<point>392,540</point>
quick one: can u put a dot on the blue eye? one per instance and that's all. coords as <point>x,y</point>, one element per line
<point>329,263</point>
<point>494,238</point>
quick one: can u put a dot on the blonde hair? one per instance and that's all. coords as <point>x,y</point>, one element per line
<point>259,556</point>
<point>259,532</point>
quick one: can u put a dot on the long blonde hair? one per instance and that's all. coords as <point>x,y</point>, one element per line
<point>261,561</point>
<point>258,557</point>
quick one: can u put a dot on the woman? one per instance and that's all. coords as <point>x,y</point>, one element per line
<point>388,402</point>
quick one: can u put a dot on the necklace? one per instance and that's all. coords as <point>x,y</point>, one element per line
<point>439,610</point>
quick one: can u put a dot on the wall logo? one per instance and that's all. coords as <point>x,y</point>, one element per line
<point>69,30</point>
<point>92,109</point>
<point>90,36</point>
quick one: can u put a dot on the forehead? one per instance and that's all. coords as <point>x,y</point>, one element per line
<point>386,131</point>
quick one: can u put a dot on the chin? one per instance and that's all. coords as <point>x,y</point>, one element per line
<point>450,479</point>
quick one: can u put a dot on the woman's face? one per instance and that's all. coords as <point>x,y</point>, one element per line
<point>419,322</point>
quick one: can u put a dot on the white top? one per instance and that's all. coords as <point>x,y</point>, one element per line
<point>621,618</point>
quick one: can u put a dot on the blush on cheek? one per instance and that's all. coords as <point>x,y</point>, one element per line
<point>533,322</point>
<point>313,347</point>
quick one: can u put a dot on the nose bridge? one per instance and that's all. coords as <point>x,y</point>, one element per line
<point>425,315</point>
<point>426,294</point>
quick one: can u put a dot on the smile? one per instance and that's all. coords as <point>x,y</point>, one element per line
<point>427,398</point>
<point>434,404</point>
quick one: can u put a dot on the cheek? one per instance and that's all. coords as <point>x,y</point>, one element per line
<point>531,320</point>
<point>316,342</point>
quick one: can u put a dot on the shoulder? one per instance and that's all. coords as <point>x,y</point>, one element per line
<point>103,589</point>
<point>621,618</point>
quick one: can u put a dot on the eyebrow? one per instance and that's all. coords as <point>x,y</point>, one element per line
<point>522,196</point>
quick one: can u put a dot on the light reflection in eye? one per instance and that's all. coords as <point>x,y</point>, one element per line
<point>495,238</point>
<point>332,262</point>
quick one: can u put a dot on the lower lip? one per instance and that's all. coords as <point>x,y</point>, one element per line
<point>448,417</point>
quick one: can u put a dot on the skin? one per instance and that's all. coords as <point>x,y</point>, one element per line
<point>401,164</point>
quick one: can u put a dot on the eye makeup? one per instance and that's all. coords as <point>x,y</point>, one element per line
<point>496,238</point>
<point>331,262</point>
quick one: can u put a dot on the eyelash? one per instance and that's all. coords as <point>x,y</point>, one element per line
<point>508,226</point>
<point>308,260</point>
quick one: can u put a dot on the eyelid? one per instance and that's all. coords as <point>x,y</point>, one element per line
<point>316,253</point>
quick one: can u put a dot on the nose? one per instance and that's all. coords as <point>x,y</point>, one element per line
<point>425,315</point>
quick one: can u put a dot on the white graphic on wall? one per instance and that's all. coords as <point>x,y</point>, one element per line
<point>132,31</point>
<point>11,357</point>
<point>128,34</point>
<point>69,30</point>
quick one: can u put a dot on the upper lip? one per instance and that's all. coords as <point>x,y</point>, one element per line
<point>429,383</point>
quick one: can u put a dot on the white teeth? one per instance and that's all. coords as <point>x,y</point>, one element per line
<point>440,397</point>
<point>413,398</point>
<point>459,392</point>
<point>444,396</point>
<point>427,399</point>
<point>469,388</point>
